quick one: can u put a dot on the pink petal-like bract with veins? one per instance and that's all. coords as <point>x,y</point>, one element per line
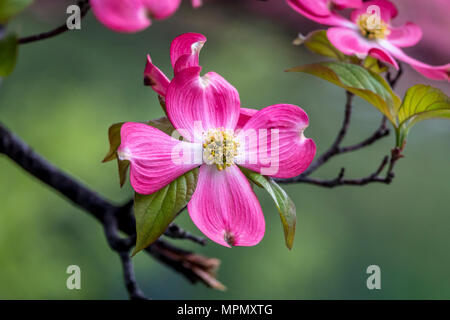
<point>272,142</point>
<point>155,78</point>
<point>405,36</point>
<point>187,48</point>
<point>156,159</point>
<point>225,208</point>
<point>196,103</point>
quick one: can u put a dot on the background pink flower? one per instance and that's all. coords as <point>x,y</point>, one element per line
<point>356,36</point>
<point>134,15</point>
<point>323,11</point>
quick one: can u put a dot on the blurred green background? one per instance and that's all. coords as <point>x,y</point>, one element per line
<point>67,91</point>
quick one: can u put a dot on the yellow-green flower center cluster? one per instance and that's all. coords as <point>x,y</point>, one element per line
<point>219,147</point>
<point>372,28</point>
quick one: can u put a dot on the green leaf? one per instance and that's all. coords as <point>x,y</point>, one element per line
<point>9,8</point>
<point>284,204</point>
<point>162,124</point>
<point>420,103</point>
<point>8,54</point>
<point>359,81</point>
<point>317,42</point>
<point>423,102</point>
<point>156,211</point>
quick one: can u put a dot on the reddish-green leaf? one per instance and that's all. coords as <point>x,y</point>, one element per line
<point>114,141</point>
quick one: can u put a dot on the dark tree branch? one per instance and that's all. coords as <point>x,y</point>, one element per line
<point>84,8</point>
<point>133,289</point>
<point>175,232</point>
<point>123,246</point>
<point>200,267</point>
<point>393,80</point>
<point>340,181</point>
<point>113,218</point>
<point>336,149</point>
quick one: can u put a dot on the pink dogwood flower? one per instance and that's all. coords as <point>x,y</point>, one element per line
<point>358,36</point>
<point>206,112</point>
<point>134,15</point>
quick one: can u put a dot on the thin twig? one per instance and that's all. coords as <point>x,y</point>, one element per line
<point>176,232</point>
<point>133,289</point>
<point>381,132</point>
<point>84,8</point>
<point>340,181</point>
<point>393,80</point>
<point>336,149</point>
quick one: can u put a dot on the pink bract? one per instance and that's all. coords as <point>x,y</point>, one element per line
<point>223,206</point>
<point>134,15</point>
<point>347,35</point>
<point>184,52</point>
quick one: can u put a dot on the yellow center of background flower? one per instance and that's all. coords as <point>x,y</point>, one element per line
<point>372,28</point>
